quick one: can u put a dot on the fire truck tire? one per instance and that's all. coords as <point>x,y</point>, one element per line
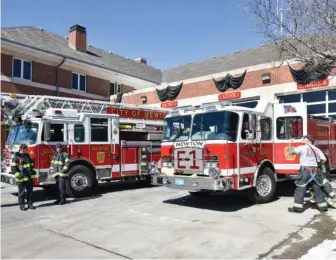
<point>81,182</point>
<point>264,191</point>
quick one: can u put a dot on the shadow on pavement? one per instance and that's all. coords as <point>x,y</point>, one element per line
<point>229,201</point>
<point>224,202</point>
<point>286,188</point>
<point>69,201</point>
<point>40,195</point>
<point>109,187</point>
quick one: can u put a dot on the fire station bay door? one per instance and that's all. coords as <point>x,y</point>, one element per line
<point>290,122</point>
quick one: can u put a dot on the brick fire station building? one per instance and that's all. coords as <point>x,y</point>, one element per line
<point>241,77</point>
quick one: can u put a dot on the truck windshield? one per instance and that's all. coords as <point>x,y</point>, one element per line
<point>176,128</point>
<point>222,125</point>
<point>23,134</point>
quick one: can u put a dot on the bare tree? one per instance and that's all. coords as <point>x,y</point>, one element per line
<point>304,30</point>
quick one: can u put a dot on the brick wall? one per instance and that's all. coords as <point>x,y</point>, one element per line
<point>43,73</point>
<point>253,79</point>
<point>6,65</point>
<point>64,78</point>
<point>126,88</point>
<point>98,86</point>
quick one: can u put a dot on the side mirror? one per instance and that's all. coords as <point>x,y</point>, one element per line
<point>46,131</point>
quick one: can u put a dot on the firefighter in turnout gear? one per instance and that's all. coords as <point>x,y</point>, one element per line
<point>59,170</point>
<point>309,174</point>
<point>22,167</point>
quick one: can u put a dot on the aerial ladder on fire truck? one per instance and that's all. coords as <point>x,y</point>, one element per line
<point>139,130</point>
<point>26,107</point>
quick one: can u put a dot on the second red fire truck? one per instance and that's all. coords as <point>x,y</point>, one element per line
<point>223,147</point>
<point>106,142</point>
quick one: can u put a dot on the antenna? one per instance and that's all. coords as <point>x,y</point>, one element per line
<point>280,13</point>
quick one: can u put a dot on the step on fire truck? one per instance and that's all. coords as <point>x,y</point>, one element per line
<point>106,142</point>
<point>224,147</point>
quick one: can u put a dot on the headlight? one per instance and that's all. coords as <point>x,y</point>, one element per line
<point>211,165</point>
<point>170,164</point>
<point>164,180</point>
<point>214,165</point>
<point>214,172</point>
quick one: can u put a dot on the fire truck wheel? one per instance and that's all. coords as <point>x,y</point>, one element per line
<point>265,187</point>
<point>81,182</point>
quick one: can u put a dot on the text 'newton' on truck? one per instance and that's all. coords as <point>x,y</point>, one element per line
<point>105,142</point>
<point>224,147</point>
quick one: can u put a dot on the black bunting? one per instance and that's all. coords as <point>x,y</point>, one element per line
<point>169,93</point>
<point>229,82</point>
<point>309,73</point>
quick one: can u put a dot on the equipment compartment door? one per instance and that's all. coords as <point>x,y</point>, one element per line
<point>130,161</point>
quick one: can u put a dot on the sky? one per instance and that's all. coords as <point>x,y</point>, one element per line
<point>168,33</point>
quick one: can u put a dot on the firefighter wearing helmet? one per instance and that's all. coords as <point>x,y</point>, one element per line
<point>59,170</point>
<point>22,167</point>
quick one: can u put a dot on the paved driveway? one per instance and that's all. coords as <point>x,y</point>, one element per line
<point>128,221</point>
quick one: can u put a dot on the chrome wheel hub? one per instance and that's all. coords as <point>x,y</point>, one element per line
<point>264,185</point>
<point>79,181</point>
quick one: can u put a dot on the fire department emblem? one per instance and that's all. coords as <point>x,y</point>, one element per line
<point>100,157</point>
<point>288,156</point>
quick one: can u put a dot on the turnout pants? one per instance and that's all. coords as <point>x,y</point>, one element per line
<point>61,188</point>
<point>309,177</point>
<point>25,190</point>
<point>326,188</point>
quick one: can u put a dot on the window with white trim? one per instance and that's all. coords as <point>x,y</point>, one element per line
<point>319,103</point>
<point>99,129</point>
<point>78,82</point>
<point>115,88</point>
<point>22,69</point>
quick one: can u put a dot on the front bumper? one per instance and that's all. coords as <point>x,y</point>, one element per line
<point>42,179</point>
<point>193,183</point>
<point>8,178</point>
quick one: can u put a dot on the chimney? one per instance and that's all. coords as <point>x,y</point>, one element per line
<point>77,38</point>
<point>141,60</point>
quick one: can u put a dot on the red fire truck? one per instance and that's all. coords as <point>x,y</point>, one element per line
<point>225,147</point>
<point>106,142</point>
